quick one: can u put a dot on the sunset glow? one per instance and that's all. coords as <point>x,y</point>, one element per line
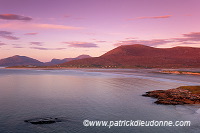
<point>44,29</point>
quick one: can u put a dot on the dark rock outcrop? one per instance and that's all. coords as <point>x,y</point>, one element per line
<point>178,96</point>
<point>46,120</point>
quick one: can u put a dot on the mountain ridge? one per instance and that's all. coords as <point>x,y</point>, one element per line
<point>126,56</point>
<point>18,60</point>
<point>131,56</point>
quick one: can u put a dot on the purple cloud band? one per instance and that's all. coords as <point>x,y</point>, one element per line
<point>36,43</point>
<point>33,33</point>
<point>42,48</point>
<point>154,17</point>
<point>81,44</point>
<point>189,38</point>
<point>8,35</point>
<point>1,44</point>
<point>152,42</point>
<point>14,17</point>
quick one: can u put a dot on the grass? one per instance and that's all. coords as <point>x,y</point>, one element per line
<point>192,89</point>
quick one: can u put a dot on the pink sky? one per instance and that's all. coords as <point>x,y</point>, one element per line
<point>46,29</point>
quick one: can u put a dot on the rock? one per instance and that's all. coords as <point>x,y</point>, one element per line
<point>178,96</point>
<point>169,102</point>
<point>46,120</point>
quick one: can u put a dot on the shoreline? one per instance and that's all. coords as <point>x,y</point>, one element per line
<point>179,71</point>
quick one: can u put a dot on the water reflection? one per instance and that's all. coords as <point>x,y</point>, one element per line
<point>79,95</point>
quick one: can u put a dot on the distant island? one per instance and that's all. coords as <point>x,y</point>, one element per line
<point>125,56</point>
<point>178,96</point>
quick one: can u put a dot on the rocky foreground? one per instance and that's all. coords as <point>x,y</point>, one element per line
<point>178,96</point>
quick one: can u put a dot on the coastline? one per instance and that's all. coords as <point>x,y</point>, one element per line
<point>179,71</point>
<point>178,96</point>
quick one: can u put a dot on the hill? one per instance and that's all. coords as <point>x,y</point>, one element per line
<point>141,56</point>
<point>27,61</point>
<point>19,61</point>
<point>59,61</point>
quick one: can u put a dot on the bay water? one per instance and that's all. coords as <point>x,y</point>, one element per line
<point>90,94</point>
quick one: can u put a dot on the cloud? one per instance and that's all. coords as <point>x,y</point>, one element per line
<point>52,26</point>
<point>98,41</point>
<point>101,41</point>
<point>192,38</point>
<point>18,47</point>
<point>81,44</point>
<point>8,35</point>
<point>33,33</point>
<point>75,18</point>
<point>153,42</point>
<point>129,38</point>
<point>21,26</point>
<point>1,44</point>
<point>154,17</point>
<point>14,17</point>
<point>36,43</point>
<point>42,48</point>
<point>11,37</point>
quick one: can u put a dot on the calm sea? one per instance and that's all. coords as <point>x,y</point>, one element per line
<point>76,95</point>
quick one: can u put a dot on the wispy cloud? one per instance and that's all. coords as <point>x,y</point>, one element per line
<point>33,33</point>
<point>154,17</point>
<point>81,44</point>
<point>37,43</point>
<point>14,17</point>
<point>1,44</point>
<point>101,41</point>
<point>53,26</point>
<point>192,38</point>
<point>21,26</point>
<point>153,42</point>
<point>72,17</point>
<point>8,35</point>
<point>42,48</point>
<point>18,47</point>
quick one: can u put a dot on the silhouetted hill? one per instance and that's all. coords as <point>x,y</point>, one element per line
<point>83,56</point>
<point>19,61</point>
<point>59,61</point>
<point>143,57</point>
